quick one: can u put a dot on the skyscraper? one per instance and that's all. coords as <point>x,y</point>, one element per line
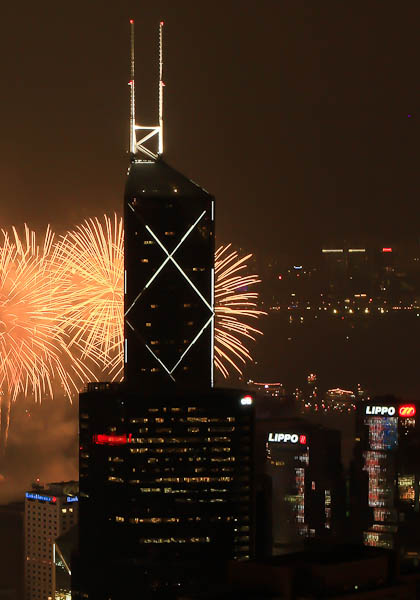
<point>302,461</point>
<point>166,482</point>
<point>169,272</point>
<point>386,449</point>
<point>169,264</point>
<point>49,512</point>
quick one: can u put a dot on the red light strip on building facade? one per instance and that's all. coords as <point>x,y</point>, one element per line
<point>111,440</point>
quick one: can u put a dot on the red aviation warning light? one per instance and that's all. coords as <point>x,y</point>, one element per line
<point>407,410</point>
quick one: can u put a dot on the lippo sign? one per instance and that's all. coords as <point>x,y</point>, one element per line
<point>287,438</point>
<point>381,410</point>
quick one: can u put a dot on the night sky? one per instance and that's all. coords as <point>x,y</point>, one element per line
<point>294,114</point>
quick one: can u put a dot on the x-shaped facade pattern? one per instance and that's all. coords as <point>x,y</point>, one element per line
<point>169,258</point>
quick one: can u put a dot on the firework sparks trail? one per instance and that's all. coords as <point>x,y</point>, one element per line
<point>92,259</point>
<point>234,304</point>
<point>32,348</point>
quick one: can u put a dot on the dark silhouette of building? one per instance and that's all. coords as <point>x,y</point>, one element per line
<point>166,477</point>
<point>12,525</point>
<point>169,266</point>
<point>303,463</point>
<point>166,489</point>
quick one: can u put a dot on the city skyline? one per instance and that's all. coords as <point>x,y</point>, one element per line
<point>301,121</point>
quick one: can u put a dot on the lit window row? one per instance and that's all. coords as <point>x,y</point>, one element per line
<point>173,540</point>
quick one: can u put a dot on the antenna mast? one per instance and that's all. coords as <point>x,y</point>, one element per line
<point>161,86</point>
<point>133,142</point>
<point>146,132</point>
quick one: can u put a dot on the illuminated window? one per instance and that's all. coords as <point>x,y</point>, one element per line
<point>144,260</point>
<point>148,324</point>
<point>187,305</point>
<point>153,306</point>
<point>169,233</point>
<point>148,242</point>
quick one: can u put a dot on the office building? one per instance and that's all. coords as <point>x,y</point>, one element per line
<point>387,441</point>
<point>169,275</point>
<point>49,512</point>
<point>166,492</point>
<point>166,488</point>
<point>303,463</point>
<point>169,265</point>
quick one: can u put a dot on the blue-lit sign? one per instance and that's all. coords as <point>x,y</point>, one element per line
<point>32,496</point>
<point>297,267</point>
<point>72,498</point>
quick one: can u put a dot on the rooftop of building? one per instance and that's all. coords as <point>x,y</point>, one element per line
<point>158,178</point>
<point>57,488</point>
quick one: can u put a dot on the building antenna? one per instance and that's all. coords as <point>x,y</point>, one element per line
<point>133,143</point>
<point>146,132</point>
<point>161,86</point>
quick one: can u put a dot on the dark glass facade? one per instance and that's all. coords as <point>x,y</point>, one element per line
<point>302,461</point>
<point>166,489</point>
<point>166,480</point>
<point>169,270</point>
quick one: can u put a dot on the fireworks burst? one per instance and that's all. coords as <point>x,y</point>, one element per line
<point>32,349</point>
<point>234,305</point>
<point>92,259</point>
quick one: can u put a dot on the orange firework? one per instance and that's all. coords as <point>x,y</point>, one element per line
<point>91,259</point>
<point>32,349</point>
<point>235,304</point>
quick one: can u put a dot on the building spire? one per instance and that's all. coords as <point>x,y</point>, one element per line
<point>149,131</point>
<point>133,142</point>
<point>161,86</point>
